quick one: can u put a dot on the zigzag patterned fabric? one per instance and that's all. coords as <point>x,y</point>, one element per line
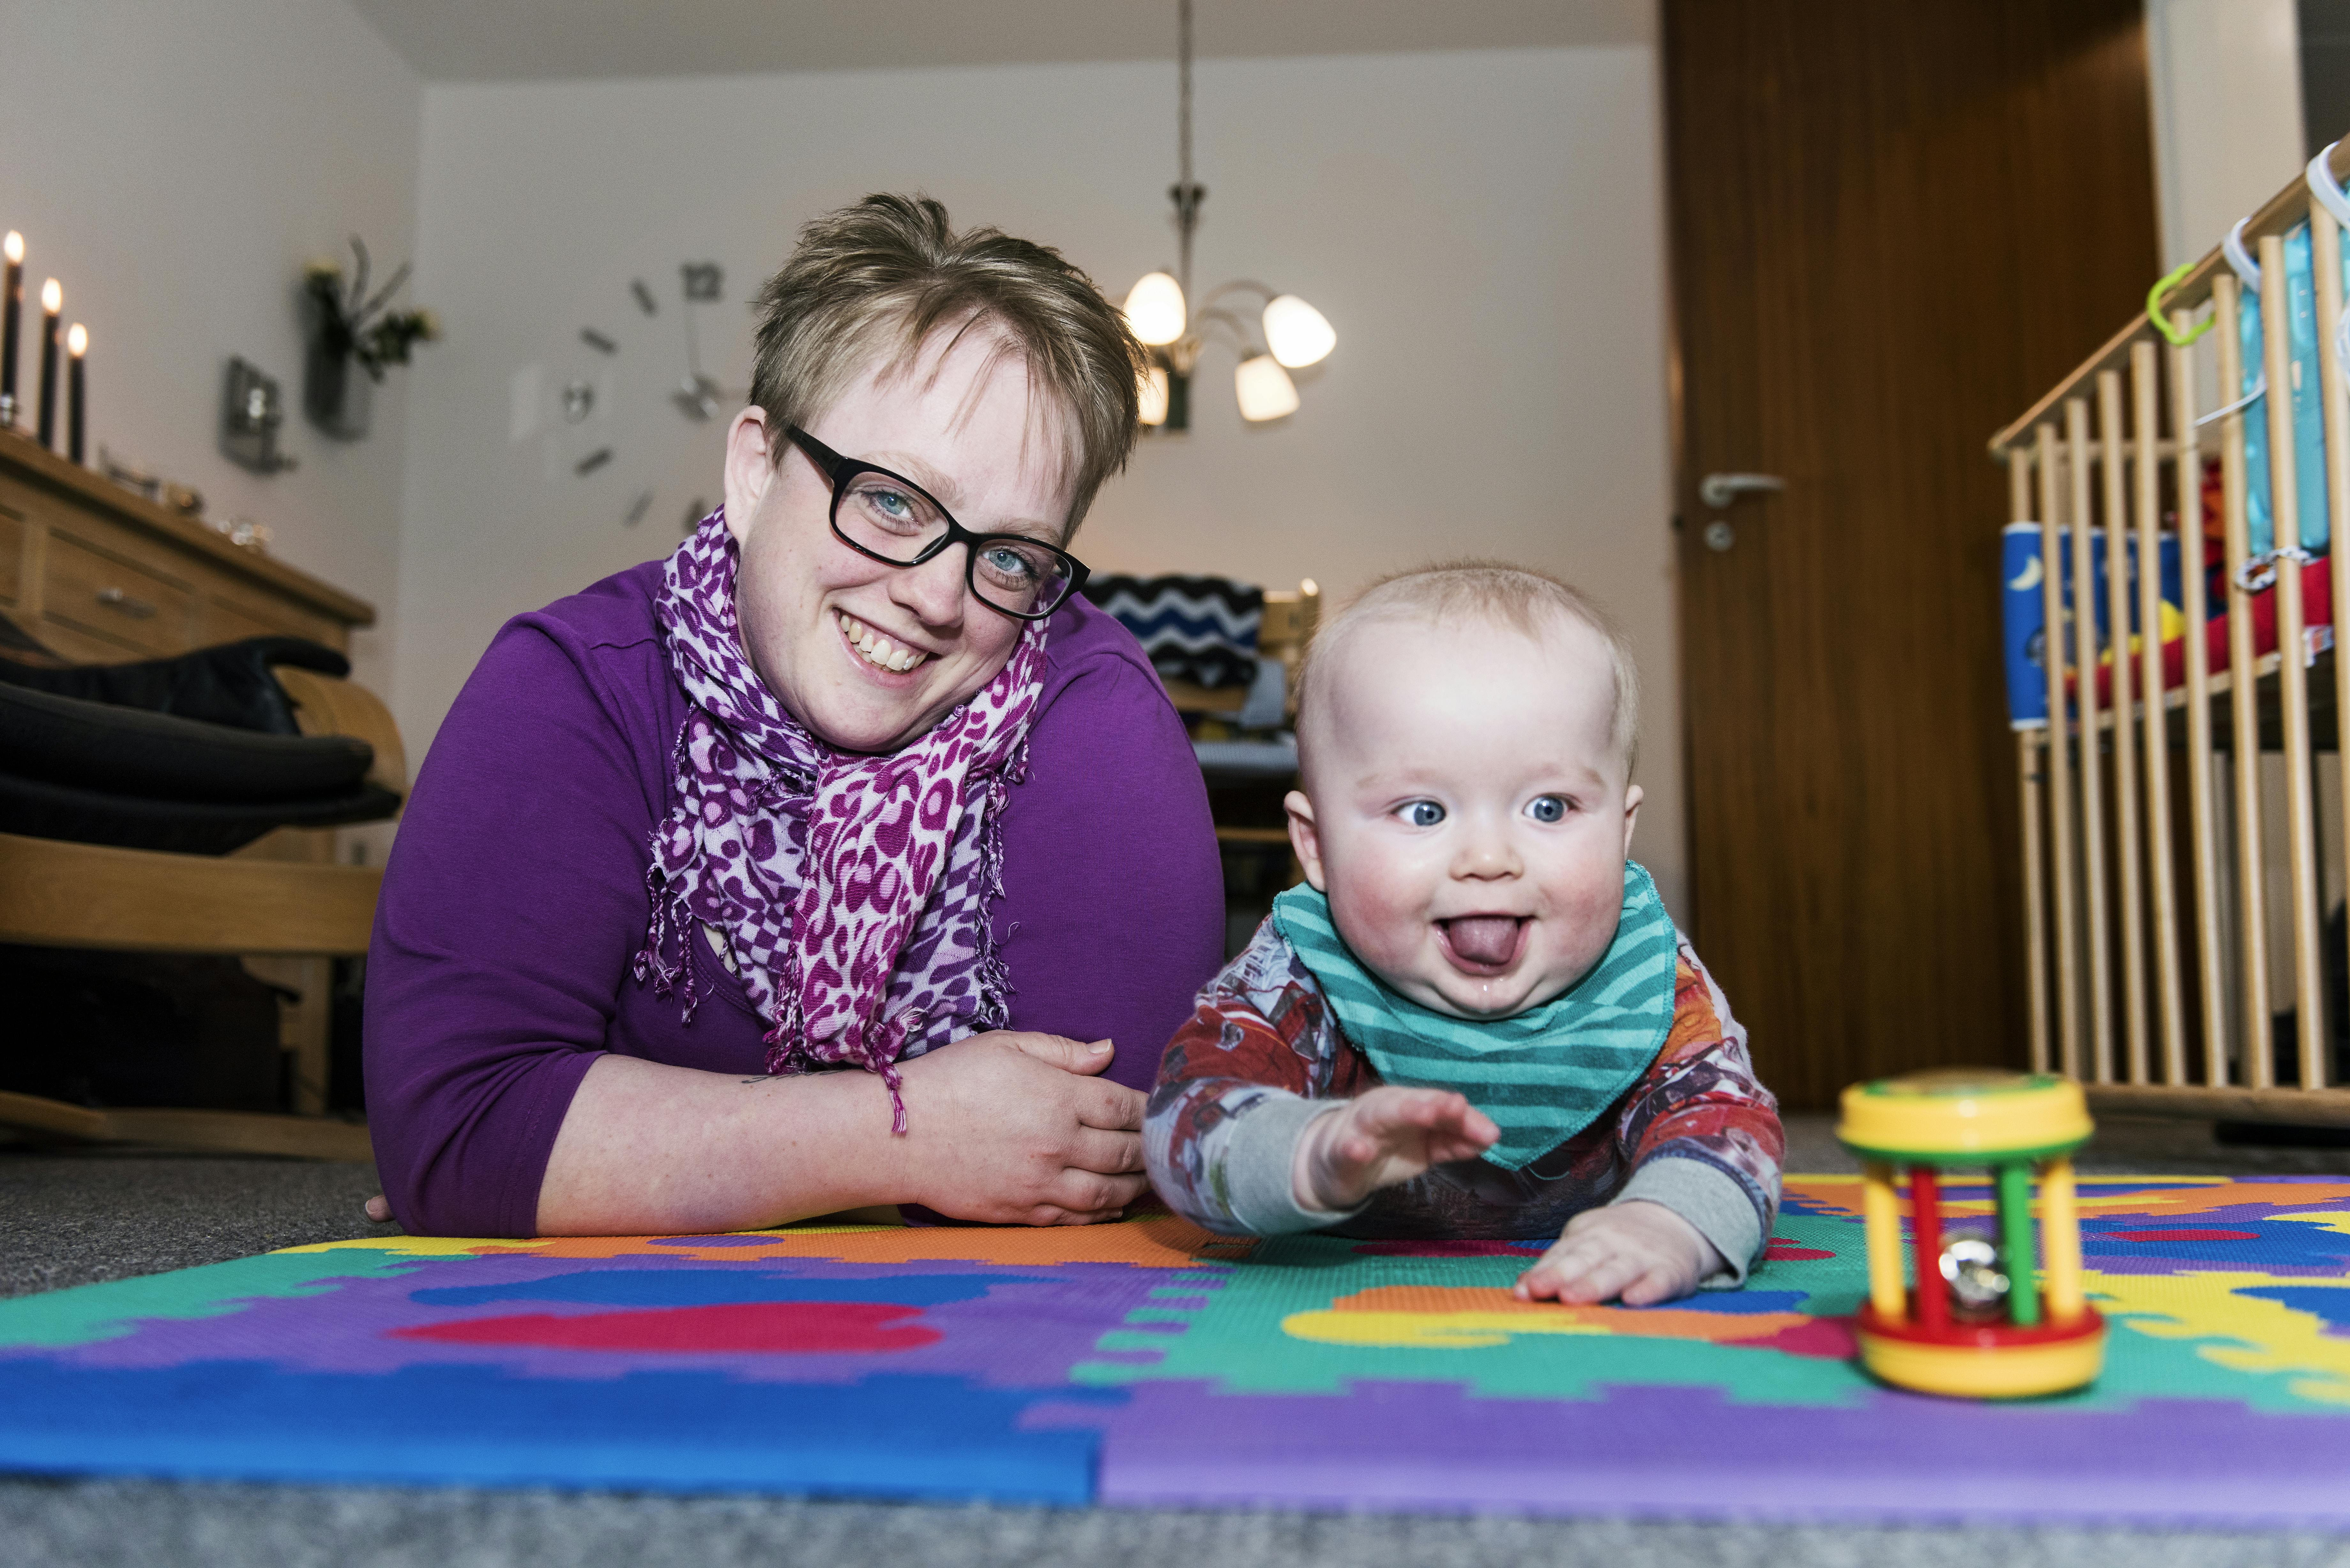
<point>1199,629</point>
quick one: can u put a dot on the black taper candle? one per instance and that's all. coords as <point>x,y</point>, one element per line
<point>52,298</point>
<point>77,347</point>
<point>12,305</point>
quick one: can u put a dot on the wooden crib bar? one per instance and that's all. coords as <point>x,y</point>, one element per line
<point>2147,516</point>
<point>2088,762</point>
<point>2110,458</point>
<point>2251,976</point>
<point>2211,964</point>
<point>2060,768</point>
<point>2293,670</point>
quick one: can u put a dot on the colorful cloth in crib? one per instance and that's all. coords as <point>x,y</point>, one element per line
<point>2023,611</point>
<point>2306,395</point>
<point>1150,1364</point>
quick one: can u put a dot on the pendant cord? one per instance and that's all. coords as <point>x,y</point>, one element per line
<point>1183,90</point>
<point>1187,194</point>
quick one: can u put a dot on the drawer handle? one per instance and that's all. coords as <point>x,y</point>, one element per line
<point>115,599</point>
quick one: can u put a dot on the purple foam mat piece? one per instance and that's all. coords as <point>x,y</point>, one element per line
<point>1691,1453</point>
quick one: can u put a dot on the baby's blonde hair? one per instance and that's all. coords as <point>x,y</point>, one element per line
<point>1492,591</point>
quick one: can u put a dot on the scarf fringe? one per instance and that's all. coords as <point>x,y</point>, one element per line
<point>671,920</point>
<point>993,979</point>
<point>788,1054</point>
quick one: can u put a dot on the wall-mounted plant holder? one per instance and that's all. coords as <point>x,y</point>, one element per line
<point>353,340</point>
<point>337,392</point>
<point>251,411</point>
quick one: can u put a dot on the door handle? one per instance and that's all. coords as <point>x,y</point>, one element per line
<point>1719,489</point>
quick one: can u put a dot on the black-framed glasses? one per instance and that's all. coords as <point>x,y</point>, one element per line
<point>891,519</point>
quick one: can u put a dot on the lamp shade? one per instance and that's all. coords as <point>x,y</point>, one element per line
<point>1154,308</point>
<point>1264,389</point>
<point>1297,333</point>
<point>1153,411</point>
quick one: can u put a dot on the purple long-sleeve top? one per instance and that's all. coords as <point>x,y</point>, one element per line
<point>514,901</point>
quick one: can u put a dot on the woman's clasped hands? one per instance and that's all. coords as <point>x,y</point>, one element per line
<point>1018,1129</point>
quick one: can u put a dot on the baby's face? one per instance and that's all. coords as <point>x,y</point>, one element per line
<point>1465,811</point>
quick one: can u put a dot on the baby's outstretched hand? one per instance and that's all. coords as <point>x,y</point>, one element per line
<point>1640,1252</point>
<point>1384,1137</point>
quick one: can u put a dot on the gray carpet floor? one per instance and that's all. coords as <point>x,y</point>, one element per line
<point>70,1218</point>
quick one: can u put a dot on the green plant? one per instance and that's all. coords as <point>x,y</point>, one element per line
<point>354,324</point>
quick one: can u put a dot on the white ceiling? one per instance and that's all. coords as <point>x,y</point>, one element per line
<point>515,40</point>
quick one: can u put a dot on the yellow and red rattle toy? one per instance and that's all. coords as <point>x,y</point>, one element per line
<point>1992,1316</point>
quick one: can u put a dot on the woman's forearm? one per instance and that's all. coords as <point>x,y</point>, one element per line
<point>1008,1127</point>
<point>649,1149</point>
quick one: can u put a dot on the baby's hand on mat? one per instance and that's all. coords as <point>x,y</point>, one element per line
<point>1639,1251</point>
<point>1382,1138</point>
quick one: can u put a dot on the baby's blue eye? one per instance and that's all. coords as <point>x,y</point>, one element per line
<point>1423,813</point>
<point>1546,808</point>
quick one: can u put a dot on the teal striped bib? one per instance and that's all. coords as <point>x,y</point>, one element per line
<point>1543,1075</point>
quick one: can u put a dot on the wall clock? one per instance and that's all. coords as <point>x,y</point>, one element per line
<point>607,436</point>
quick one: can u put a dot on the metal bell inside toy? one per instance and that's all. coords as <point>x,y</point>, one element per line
<point>1997,1314</point>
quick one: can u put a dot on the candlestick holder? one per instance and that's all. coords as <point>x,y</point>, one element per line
<point>76,391</point>
<point>52,301</point>
<point>12,306</point>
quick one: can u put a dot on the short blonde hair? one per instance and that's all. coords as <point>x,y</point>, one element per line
<point>886,273</point>
<point>1525,600</point>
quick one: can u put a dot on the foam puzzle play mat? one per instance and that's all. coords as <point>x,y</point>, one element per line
<point>1149,1362</point>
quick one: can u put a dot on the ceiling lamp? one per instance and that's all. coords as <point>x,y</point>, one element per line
<point>1264,388</point>
<point>1297,333</point>
<point>1153,409</point>
<point>1292,333</point>
<point>1154,308</point>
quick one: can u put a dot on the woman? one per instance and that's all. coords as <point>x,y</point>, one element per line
<point>709,861</point>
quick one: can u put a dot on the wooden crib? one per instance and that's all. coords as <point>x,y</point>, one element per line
<point>2175,915</point>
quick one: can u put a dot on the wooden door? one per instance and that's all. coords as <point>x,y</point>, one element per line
<point>1893,226</point>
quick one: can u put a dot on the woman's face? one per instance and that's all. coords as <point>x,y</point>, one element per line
<point>814,612</point>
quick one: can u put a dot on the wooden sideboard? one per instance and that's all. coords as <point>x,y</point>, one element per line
<point>104,575</point>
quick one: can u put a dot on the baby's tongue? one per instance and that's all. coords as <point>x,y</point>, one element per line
<point>1483,938</point>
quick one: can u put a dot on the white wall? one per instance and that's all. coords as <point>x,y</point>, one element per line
<point>173,166</point>
<point>2225,76</point>
<point>1485,229</point>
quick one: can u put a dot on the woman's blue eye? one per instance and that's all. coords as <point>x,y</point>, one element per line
<point>899,514</point>
<point>1547,808</point>
<point>1004,562</point>
<point>1423,813</point>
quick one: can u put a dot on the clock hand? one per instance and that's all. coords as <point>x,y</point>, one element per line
<point>699,396</point>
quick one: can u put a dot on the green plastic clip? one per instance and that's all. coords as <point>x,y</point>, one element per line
<point>2163,286</point>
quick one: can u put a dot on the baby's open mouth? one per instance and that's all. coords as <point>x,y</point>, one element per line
<point>1484,944</point>
<point>878,651</point>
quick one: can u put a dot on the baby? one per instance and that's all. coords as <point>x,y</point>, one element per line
<point>1478,1020</point>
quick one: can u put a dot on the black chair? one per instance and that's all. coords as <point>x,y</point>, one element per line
<point>123,791</point>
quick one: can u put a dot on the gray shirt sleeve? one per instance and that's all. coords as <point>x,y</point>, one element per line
<point>1712,1200</point>
<point>1254,1153</point>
